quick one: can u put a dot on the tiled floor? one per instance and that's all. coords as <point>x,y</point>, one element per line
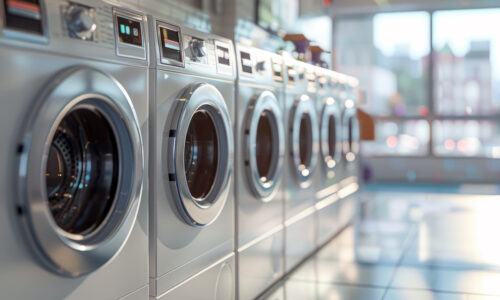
<point>408,245</point>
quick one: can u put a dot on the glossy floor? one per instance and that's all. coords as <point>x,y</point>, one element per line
<point>409,243</point>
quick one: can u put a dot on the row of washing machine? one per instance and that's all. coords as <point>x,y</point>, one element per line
<point>141,159</point>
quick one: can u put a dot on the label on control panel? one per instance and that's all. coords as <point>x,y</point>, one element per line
<point>170,44</point>
<point>24,15</point>
<point>223,58</point>
<point>246,62</point>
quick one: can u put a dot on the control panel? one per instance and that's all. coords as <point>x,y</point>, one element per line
<point>24,16</point>
<point>197,51</point>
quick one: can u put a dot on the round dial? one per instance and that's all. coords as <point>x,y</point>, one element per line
<point>260,66</point>
<point>80,21</point>
<point>198,48</point>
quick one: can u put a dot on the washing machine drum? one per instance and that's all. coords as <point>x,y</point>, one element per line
<point>81,168</point>
<point>199,153</point>
<point>264,145</point>
<point>304,139</point>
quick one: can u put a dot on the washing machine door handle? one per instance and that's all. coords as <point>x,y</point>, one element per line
<point>200,153</point>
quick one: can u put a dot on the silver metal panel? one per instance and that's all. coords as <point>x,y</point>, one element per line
<point>300,240</point>
<point>260,265</point>
<point>217,282</point>
<point>30,73</point>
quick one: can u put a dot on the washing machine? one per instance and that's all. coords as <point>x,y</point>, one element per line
<point>347,89</point>
<point>259,154</point>
<point>73,157</point>
<point>301,160</point>
<point>329,175</point>
<point>192,198</point>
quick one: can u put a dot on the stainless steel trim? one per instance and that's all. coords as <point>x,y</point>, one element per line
<point>303,105</point>
<point>67,254</point>
<point>264,102</point>
<point>199,212</point>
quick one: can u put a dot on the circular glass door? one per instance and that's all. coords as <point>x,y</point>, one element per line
<point>330,133</point>
<point>81,170</point>
<point>200,149</point>
<point>304,139</point>
<point>351,135</point>
<point>264,145</point>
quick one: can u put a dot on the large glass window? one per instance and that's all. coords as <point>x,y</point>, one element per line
<point>467,62</point>
<point>452,114</point>
<point>389,53</point>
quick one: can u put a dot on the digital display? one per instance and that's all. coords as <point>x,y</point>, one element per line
<point>170,44</point>
<point>129,31</point>
<point>223,56</point>
<point>246,62</point>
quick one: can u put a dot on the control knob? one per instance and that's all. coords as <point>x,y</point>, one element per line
<point>260,66</point>
<point>80,21</point>
<point>198,48</point>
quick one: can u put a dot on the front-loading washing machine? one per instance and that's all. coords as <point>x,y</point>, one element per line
<point>347,89</point>
<point>74,129</point>
<point>259,155</point>
<point>191,199</point>
<point>302,140</point>
<point>329,166</point>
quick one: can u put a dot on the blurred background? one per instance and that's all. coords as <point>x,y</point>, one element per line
<point>429,70</point>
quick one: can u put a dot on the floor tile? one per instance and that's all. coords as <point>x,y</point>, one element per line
<point>408,294</point>
<point>446,280</point>
<point>328,271</point>
<point>303,290</point>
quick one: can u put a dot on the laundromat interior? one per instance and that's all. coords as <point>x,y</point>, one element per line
<point>250,149</point>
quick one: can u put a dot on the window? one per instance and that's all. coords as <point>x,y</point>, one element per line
<point>467,62</point>
<point>389,52</point>
<point>451,113</point>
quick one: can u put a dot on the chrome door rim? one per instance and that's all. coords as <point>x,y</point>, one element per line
<point>198,212</point>
<point>350,150</point>
<point>63,253</point>
<point>303,104</point>
<point>264,102</point>
<point>330,108</point>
